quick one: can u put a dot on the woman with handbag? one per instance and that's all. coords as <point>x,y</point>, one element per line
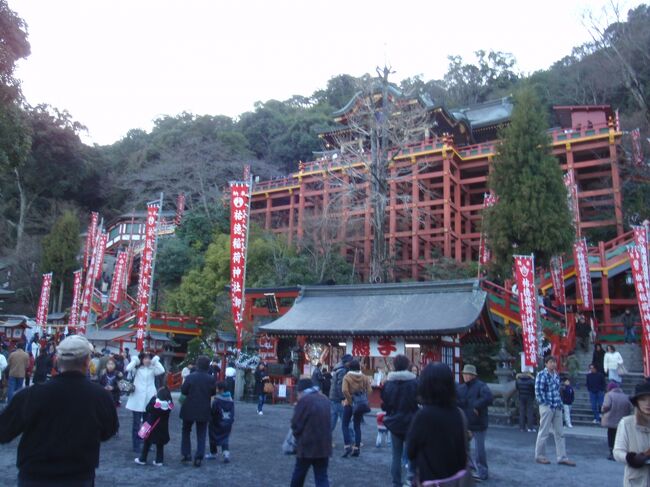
<point>356,388</point>
<point>144,370</point>
<point>613,364</point>
<point>262,383</point>
<point>437,440</point>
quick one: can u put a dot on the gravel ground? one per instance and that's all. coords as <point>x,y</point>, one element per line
<point>257,460</point>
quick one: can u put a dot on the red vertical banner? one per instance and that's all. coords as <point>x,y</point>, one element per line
<point>90,238</point>
<point>89,285</point>
<point>101,252</point>
<point>489,200</point>
<point>525,278</point>
<point>641,285</point>
<point>637,152</point>
<point>44,301</point>
<point>557,277</point>
<point>180,208</point>
<point>583,275</point>
<point>146,270</point>
<point>76,293</point>
<point>119,277</point>
<point>641,241</point>
<point>239,212</point>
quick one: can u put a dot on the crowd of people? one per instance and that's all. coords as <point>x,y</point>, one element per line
<point>435,427</point>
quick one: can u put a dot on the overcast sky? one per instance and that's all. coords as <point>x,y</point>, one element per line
<point>119,64</point>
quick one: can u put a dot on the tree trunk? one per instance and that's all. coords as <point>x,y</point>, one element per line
<point>60,306</point>
<point>22,213</point>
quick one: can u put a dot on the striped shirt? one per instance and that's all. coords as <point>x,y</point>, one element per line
<point>547,389</point>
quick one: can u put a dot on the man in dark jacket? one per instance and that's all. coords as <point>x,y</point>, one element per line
<point>62,423</point>
<point>198,389</point>
<point>474,397</point>
<point>311,428</point>
<point>317,376</point>
<point>336,391</point>
<point>596,385</point>
<point>399,400</point>
<point>525,384</point>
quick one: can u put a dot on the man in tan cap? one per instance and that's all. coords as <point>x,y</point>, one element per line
<point>474,397</point>
<point>62,423</point>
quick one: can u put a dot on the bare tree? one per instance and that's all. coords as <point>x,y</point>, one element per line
<point>380,122</point>
<point>625,44</point>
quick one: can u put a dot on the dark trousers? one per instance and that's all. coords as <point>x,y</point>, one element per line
<point>186,443</point>
<point>160,451</point>
<point>260,402</point>
<point>302,467</point>
<point>611,436</point>
<point>56,483</point>
<point>596,399</point>
<point>526,413</point>
<point>356,421</point>
<point>138,417</point>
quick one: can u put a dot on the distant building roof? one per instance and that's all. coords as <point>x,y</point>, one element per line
<point>407,309</point>
<point>484,114</point>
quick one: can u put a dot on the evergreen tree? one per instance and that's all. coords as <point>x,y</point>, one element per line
<point>532,215</point>
<point>60,249</point>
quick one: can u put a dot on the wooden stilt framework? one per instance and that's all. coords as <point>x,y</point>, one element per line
<point>435,198</point>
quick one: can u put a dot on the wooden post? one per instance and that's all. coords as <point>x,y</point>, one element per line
<point>446,192</point>
<point>267,213</point>
<point>415,223</point>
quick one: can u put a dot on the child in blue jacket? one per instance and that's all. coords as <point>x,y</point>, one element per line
<point>567,395</point>
<point>223,417</point>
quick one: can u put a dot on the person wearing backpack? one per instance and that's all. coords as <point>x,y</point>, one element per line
<point>336,392</point>
<point>356,388</point>
<point>399,400</point>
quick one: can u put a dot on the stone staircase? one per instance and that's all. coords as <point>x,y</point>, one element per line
<point>581,410</point>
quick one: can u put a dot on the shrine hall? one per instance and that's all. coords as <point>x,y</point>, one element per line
<point>427,321</point>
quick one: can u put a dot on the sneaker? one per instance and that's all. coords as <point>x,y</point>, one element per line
<point>260,413</point>
<point>226,459</point>
<point>210,456</point>
<point>156,464</point>
<point>186,459</point>
<point>532,430</point>
<point>570,426</point>
<point>567,462</point>
<point>543,460</point>
<point>595,421</point>
<point>139,462</point>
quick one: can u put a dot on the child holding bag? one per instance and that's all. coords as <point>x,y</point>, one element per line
<point>155,431</point>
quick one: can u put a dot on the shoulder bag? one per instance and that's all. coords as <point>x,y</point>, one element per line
<point>146,429</point>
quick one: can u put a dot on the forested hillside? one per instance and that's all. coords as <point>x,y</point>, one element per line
<point>46,170</point>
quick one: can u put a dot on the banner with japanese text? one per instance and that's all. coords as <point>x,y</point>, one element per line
<point>641,286</point>
<point>44,301</point>
<point>583,275</point>
<point>557,278</point>
<point>572,198</point>
<point>90,238</point>
<point>637,152</point>
<point>118,283</point>
<point>101,252</point>
<point>489,200</point>
<point>89,285</point>
<point>239,215</point>
<point>76,294</point>
<point>146,271</point>
<point>180,208</point>
<point>525,278</point>
<point>384,346</point>
<point>641,241</point>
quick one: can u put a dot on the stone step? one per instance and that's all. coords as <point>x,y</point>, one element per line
<point>631,353</point>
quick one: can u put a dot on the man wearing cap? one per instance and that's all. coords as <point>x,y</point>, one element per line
<point>310,425</point>
<point>62,423</point>
<point>547,393</point>
<point>474,397</point>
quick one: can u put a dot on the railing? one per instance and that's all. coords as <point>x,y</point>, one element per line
<point>512,300</point>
